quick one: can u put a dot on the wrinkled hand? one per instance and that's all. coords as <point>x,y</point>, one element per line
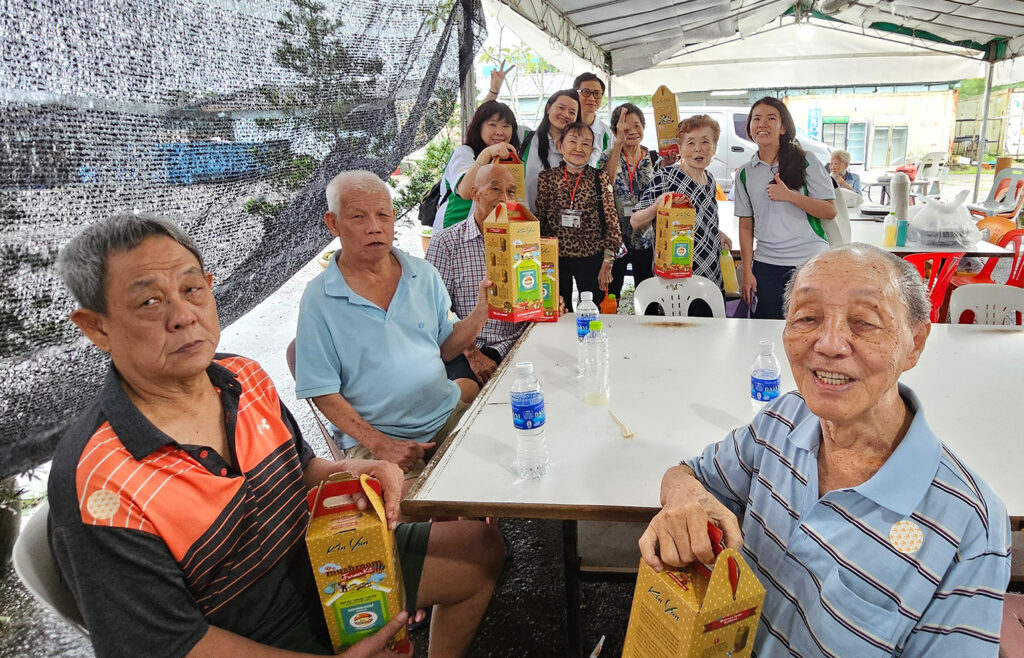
<point>749,285</point>
<point>390,477</point>
<point>501,151</point>
<point>777,190</point>
<point>668,160</point>
<point>841,181</point>
<point>620,139</point>
<point>561,306</point>
<point>678,535</point>
<point>375,645</point>
<point>401,452</point>
<point>482,365</point>
<point>604,277</point>
<point>481,297</point>
<point>726,242</point>
<point>498,75</point>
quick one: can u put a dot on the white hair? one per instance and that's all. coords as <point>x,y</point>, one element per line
<point>844,156</point>
<point>359,180</point>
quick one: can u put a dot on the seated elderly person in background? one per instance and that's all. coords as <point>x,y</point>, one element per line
<point>178,499</point>
<point>458,255</point>
<point>871,537</point>
<point>374,334</point>
<point>839,167</point>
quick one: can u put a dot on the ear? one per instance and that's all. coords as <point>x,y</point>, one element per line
<point>92,324</point>
<point>331,220</point>
<point>209,278</point>
<point>920,336</point>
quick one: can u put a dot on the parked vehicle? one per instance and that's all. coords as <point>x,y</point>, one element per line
<point>733,146</point>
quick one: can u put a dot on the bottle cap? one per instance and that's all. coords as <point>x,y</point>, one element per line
<point>767,347</point>
<point>611,296</point>
<point>586,296</point>
<point>524,368</point>
<point>596,325</point>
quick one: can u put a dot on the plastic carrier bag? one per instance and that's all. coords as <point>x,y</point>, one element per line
<point>944,224</point>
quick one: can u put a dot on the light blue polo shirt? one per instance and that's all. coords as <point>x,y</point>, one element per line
<point>387,365</point>
<point>784,235</point>
<point>913,562</point>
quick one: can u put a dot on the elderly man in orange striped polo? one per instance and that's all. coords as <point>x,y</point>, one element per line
<point>178,500</point>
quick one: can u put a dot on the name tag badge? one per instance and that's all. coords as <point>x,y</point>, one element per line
<point>627,212</point>
<point>572,218</point>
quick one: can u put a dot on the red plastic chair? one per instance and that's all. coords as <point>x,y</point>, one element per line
<point>1012,239</point>
<point>938,268</point>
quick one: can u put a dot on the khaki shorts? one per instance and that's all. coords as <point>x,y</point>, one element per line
<point>440,438</point>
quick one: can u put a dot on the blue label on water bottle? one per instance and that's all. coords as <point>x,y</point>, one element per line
<point>764,390</point>
<point>582,326</point>
<point>527,410</point>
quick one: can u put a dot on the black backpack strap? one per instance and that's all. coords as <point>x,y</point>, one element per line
<point>600,201</point>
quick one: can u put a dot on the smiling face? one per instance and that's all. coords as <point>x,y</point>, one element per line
<point>562,112</point>
<point>494,184</point>
<point>633,127</point>
<point>590,96</point>
<point>848,335</point>
<point>697,147</point>
<point>495,131</point>
<point>577,147</point>
<point>161,321</point>
<point>765,125</point>
<point>365,224</point>
<point>836,165</point>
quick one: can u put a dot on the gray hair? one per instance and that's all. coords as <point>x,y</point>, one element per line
<point>911,287</point>
<point>82,262</point>
<point>842,155</point>
<point>360,180</point>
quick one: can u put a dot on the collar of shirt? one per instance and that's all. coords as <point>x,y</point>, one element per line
<point>903,480</point>
<point>336,286</point>
<point>471,231</point>
<point>141,437</point>
<point>756,160</point>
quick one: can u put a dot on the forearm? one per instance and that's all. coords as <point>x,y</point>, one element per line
<point>820,208</point>
<point>611,167</point>
<point>464,332</point>
<point>747,243</point>
<point>680,484</point>
<point>317,470</point>
<point>344,416</point>
<point>465,187</point>
<point>641,218</point>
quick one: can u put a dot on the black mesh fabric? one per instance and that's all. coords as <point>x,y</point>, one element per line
<point>229,116</point>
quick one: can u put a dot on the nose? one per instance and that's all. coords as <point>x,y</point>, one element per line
<point>833,339</point>
<point>180,313</point>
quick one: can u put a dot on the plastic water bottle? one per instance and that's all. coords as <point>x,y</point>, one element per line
<point>596,387</point>
<point>764,377</point>
<point>528,419</point>
<point>585,312</point>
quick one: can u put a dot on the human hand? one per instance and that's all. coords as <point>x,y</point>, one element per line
<point>501,151</point>
<point>678,534</point>
<point>375,645</point>
<point>749,285</point>
<point>561,306</point>
<point>400,451</point>
<point>481,298</point>
<point>726,242</point>
<point>481,364</point>
<point>668,160</point>
<point>604,277</point>
<point>620,139</point>
<point>390,477</point>
<point>498,77</point>
<point>777,190</point>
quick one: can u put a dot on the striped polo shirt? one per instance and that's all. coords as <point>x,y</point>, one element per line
<point>157,540</point>
<point>913,562</point>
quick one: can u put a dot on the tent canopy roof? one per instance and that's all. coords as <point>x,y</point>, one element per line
<point>925,40</point>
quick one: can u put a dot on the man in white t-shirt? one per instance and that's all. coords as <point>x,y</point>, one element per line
<point>591,90</point>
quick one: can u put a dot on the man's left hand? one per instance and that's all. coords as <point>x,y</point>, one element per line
<point>482,365</point>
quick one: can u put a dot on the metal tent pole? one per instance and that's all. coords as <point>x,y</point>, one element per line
<point>984,128</point>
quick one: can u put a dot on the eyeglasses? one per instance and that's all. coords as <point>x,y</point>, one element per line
<point>587,93</point>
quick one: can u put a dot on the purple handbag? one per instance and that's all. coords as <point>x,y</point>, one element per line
<point>738,308</point>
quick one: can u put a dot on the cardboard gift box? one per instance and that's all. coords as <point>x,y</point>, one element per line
<point>355,561</point>
<point>695,611</point>
<point>515,167</point>
<point>512,249</point>
<point>666,120</point>
<point>673,237</point>
<point>549,279</point>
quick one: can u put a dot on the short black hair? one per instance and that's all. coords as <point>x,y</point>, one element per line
<point>626,109</point>
<point>587,76</point>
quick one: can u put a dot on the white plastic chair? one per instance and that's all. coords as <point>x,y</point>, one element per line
<point>992,303</point>
<point>33,563</point>
<point>838,230</point>
<point>676,295</point>
<point>1010,203</point>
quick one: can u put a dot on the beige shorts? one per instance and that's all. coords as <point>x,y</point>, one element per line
<point>440,437</point>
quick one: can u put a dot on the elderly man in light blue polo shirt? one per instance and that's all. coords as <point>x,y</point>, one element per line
<point>870,536</point>
<point>374,332</point>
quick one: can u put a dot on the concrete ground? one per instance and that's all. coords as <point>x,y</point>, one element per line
<point>527,615</point>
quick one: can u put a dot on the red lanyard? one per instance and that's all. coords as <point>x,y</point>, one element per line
<point>629,173</point>
<point>572,195</point>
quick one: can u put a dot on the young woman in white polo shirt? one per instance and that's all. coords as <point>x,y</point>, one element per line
<point>782,196</point>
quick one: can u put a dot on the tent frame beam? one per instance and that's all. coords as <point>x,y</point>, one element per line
<point>555,24</point>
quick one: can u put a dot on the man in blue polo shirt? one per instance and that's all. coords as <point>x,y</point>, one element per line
<point>374,332</point>
<point>870,536</point>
